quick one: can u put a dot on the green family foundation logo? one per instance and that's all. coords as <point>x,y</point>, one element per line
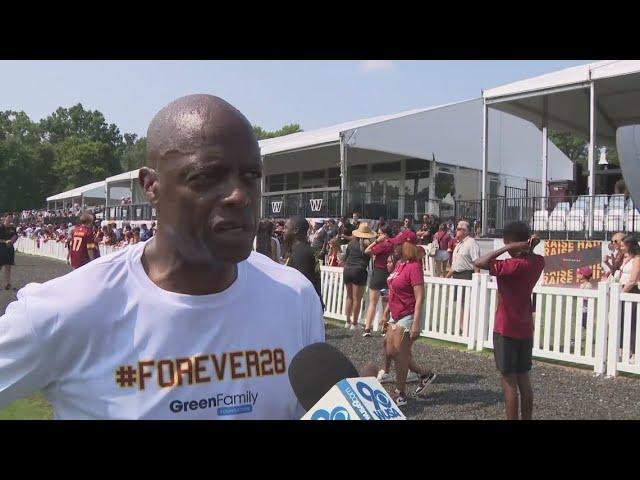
<point>225,404</point>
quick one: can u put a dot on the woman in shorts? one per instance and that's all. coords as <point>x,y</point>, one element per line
<point>406,299</point>
<point>381,248</point>
<point>356,262</point>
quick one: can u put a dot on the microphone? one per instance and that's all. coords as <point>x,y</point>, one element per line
<point>328,386</point>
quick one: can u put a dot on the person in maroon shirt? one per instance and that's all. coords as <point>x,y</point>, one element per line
<point>381,248</point>
<point>81,245</point>
<point>442,255</point>
<point>513,327</point>
<point>406,298</point>
<point>451,247</point>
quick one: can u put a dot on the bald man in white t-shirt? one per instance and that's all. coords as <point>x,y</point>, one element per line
<point>188,325</point>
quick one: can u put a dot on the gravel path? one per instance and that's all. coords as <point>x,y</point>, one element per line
<point>467,386</point>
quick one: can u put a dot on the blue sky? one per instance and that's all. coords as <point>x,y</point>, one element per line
<point>270,93</point>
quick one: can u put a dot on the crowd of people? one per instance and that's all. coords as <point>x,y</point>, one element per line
<point>390,261</point>
<point>34,225</point>
<point>395,254</point>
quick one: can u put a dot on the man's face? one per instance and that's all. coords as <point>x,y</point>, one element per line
<point>289,231</point>
<point>425,219</point>
<point>617,242</point>
<point>462,230</point>
<point>208,198</point>
<point>355,217</point>
<point>8,220</point>
<point>507,242</point>
<point>406,222</point>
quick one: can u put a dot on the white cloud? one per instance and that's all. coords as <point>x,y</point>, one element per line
<point>367,66</point>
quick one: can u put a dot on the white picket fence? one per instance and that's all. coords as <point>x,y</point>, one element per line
<point>621,318</point>
<point>463,311</point>
<point>53,249</point>
<point>571,325</point>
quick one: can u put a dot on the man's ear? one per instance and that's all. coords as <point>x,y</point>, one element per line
<point>148,180</point>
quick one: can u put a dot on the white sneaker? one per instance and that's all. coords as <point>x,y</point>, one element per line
<point>383,377</point>
<point>347,325</point>
<point>352,327</point>
<point>412,377</point>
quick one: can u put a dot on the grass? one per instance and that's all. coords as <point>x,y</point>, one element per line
<point>34,407</point>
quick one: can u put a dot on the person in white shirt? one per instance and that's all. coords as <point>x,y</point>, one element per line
<point>466,252</point>
<point>195,327</point>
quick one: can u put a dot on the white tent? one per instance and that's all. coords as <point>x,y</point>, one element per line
<point>451,133</point>
<point>566,94</point>
<point>590,101</point>
<point>123,185</point>
<point>92,190</point>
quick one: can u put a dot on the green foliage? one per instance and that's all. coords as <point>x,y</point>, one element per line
<point>577,149</point>
<point>67,149</point>
<point>288,129</point>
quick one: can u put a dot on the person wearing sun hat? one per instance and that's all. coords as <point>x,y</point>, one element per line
<point>355,272</point>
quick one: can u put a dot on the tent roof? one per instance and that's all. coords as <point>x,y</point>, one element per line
<point>133,174</point>
<point>567,76</point>
<point>617,89</point>
<point>76,192</point>
<point>331,134</point>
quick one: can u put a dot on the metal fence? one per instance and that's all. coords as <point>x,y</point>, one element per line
<point>133,212</point>
<point>557,217</point>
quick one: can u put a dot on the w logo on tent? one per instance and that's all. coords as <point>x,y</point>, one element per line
<point>316,204</point>
<point>276,207</point>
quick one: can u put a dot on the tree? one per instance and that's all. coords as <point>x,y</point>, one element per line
<point>81,123</point>
<point>577,149</point>
<point>132,155</point>
<point>69,148</point>
<point>80,161</point>
<point>288,129</point>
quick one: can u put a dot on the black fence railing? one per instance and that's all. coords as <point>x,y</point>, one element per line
<point>327,203</point>
<point>557,217</point>
<point>309,204</point>
<point>134,212</point>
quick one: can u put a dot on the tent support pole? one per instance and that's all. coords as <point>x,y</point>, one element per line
<point>343,176</point>
<point>485,165</point>
<point>545,154</point>
<point>592,156</point>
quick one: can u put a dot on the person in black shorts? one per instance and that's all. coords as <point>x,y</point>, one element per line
<point>354,274</point>
<point>513,326</point>
<point>299,254</point>
<point>8,236</point>
<point>381,248</point>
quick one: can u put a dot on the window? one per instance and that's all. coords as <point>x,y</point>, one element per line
<point>292,181</point>
<point>334,177</point>
<point>418,165</point>
<point>275,183</point>
<point>385,167</point>
<point>445,183</point>
<point>313,175</point>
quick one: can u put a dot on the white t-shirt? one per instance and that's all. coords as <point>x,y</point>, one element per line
<point>105,342</point>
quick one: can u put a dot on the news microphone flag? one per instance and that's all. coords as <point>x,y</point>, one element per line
<point>361,398</point>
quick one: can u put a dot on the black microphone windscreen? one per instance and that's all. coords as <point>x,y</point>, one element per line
<point>315,369</point>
